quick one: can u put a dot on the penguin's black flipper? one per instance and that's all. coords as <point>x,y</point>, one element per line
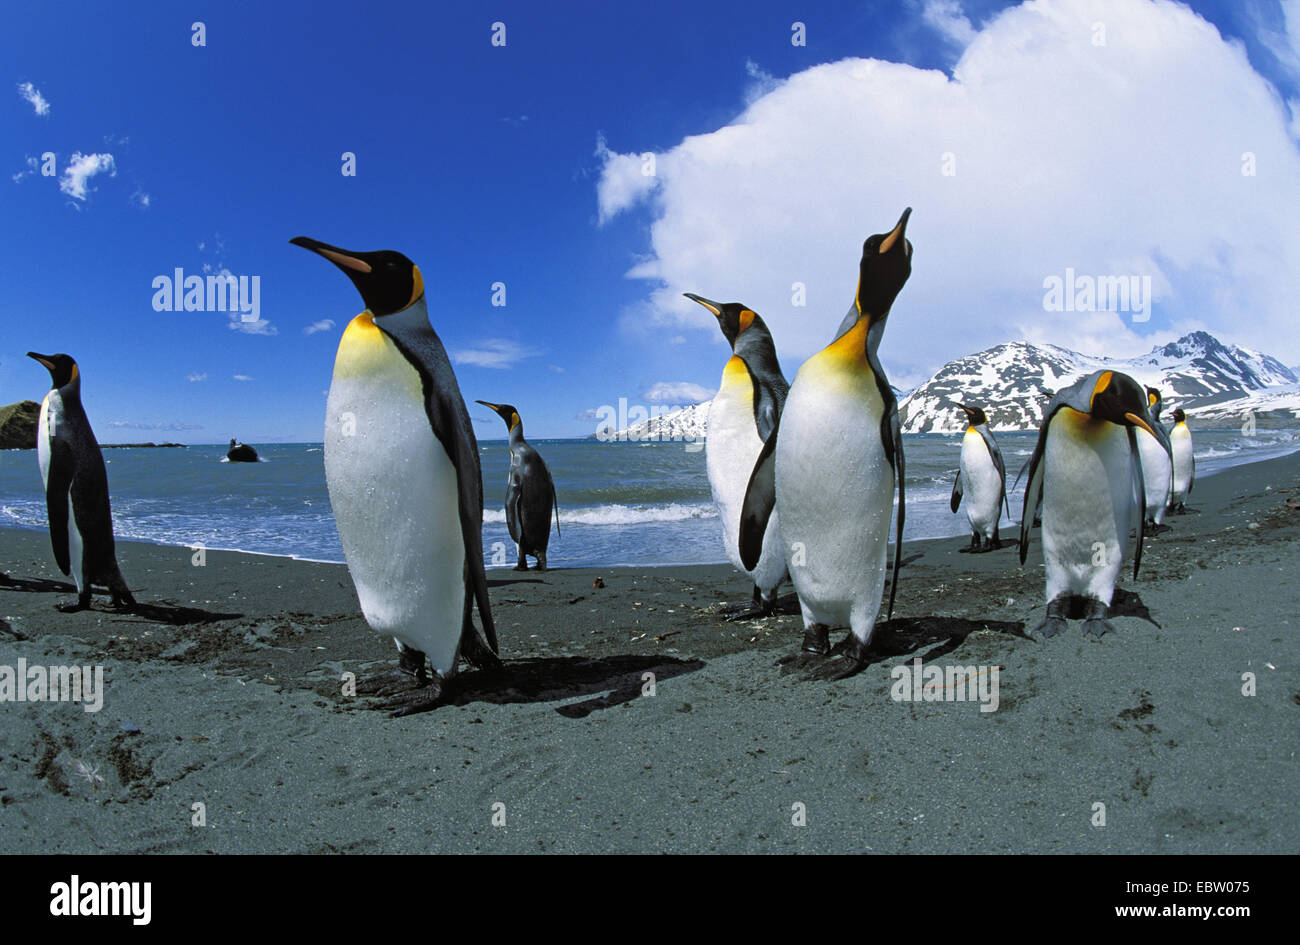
<point>1033,489</point>
<point>62,467</point>
<point>996,455</point>
<point>760,498</point>
<point>449,418</point>
<point>955,501</point>
<point>1140,485</point>
<point>896,458</point>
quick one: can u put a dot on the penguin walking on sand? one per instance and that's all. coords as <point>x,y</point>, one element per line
<point>1184,462</point>
<point>530,492</point>
<point>76,488</point>
<point>1157,468</point>
<point>1087,471</point>
<point>742,417</point>
<point>981,474</point>
<point>402,467</point>
<point>831,467</point>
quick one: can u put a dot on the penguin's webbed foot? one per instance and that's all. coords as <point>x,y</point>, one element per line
<point>521,566</point>
<point>1094,618</point>
<point>409,674</point>
<point>71,607</point>
<point>1054,622</point>
<point>428,696</point>
<point>848,659</point>
<point>816,640</point>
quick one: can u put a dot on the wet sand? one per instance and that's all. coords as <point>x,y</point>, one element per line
<point>225,691</point>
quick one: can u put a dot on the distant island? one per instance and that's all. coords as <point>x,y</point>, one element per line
<point>18,423</point>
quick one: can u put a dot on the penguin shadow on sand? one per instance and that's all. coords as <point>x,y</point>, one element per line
<point>1127,604</point>
<point>607,682</point>
<point>903,636</point>
<point>158,613</point>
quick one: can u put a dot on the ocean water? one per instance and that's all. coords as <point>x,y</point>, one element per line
<point>620,503</point>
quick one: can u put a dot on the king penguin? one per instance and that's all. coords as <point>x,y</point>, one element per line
<point>1087,471</point>
<point>982,474</point>
<point>1184,460</point>
<point>402,467</point>
<point>530,492</point>
<point>76,488</point>
<point>831,467</point>
<point>1157,469</point>
<point>742,416</point>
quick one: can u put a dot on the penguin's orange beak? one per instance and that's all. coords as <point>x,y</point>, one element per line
<point>1139,422</point>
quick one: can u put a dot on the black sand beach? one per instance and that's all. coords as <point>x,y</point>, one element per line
<point>225,691</point>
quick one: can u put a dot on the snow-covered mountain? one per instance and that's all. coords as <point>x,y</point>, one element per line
<point>1215,383</point>
<point>1013,383</point>
<point>689,424</point>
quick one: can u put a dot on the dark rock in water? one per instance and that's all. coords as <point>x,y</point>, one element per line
<point>18,424</point>
<point>241,453</point>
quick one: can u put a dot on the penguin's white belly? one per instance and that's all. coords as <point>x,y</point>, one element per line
<point>1157,475</point>
<point>51,407</point>
<point>834,493</point>
<point>395,499</point>
<point>1180,443</point>
<point>981,485</point>
<point>1089,504</point>
<point>731,449</point>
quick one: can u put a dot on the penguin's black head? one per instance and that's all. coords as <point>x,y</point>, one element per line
<point>61,367</point>
<point>886,264</point>
<point>387,280</point>
<point>1120,399</point>
<point>1179,416</point>
<point>1154,401</point>
<point>506,412</point>
<point>976,415</point>
<point>734,318</point>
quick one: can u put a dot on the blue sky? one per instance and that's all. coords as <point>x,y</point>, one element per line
<point>485,164</point>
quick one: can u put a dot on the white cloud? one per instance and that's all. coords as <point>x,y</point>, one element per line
<point>325,324</point>
<point>33,166</point>
<point>556,368</point>
<point>493,353</point>
<point>196,377</point>
<point>32,96</point>
<point>241,377</point>
<point>81,168</point>
<point>141,199</point>
<point>946,16</point>
<point>163,427</point>
<point>1113,160</point>
<point>623,180</point>
<point>677,392</point>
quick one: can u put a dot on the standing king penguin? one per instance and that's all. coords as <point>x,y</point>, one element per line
<point>1180,442</point>
<point>831,467</point>
<point>1087,471</point>
<point>1157,469</point>
<point>402,468</point>
<point>530,492</point>
<point>742,417</point>
<point>983,475</point>
<point>76,488</point>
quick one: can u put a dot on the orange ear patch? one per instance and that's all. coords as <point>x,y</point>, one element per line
<point>746,319</point>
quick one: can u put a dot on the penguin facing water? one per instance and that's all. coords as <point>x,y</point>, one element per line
<point>76,488</point>
<point>530,492</point>
<point>1157,468</point>
<point>981,480</point>
<point>742,416</point>
<point>1087,471</point>
<point>1184,462</point>
<point>402,468</point>
<point>831,467</point>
